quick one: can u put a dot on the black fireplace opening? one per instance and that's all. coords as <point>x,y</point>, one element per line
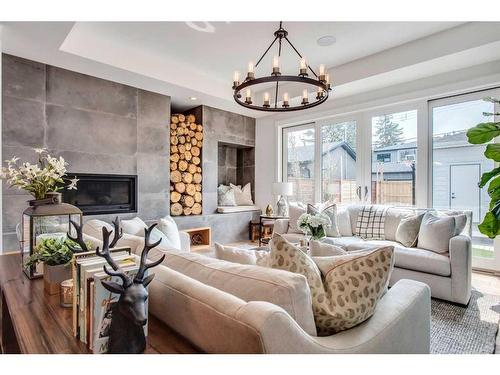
<point>98,194</point>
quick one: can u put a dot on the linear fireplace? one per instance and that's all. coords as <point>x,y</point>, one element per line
<point>103,193</point>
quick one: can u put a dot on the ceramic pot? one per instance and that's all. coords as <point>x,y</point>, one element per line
<point>54,275</point>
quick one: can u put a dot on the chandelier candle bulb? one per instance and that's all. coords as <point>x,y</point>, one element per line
<point>322,77</point>
<point>266,100</point>
<point>251,72</point>
<point>319,95</point>
<point>303,68</point>
<point>328,81</point>
<point>285,100</point>
<point>276,66</point>
<point>236,79</point>
<point>305,99</point>
<point>248,98</point>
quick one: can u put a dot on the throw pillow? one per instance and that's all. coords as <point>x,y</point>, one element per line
<point>460,222</point>
<point>321,249</point>
<point>371,223</point>
<point>169,228</point>
<point>243,196</point>
<point>294,212</point>
<point>407,231</point>
<point>225,196</point>
<point>134,226</point>
<point>352,284</point>
<point>436,232</point>
<point>344,222</point>
<point>241,256</point>
<point>93,228</point>
<point>329,210</point>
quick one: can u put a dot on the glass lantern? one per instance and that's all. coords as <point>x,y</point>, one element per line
<point>39,222</point>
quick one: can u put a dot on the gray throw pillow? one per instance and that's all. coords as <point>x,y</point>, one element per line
<point>330,210</point>
<point>408,229</point>
<point>225,196</point>
<point>436,232</point>
<point>294,212</point>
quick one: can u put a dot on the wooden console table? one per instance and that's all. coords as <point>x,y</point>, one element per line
<point>33,322</point>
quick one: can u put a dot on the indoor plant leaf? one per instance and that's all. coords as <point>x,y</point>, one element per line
<point>483,132</point>
<point>493,151</point>
<point>488,176</point>
<point>490,226</point>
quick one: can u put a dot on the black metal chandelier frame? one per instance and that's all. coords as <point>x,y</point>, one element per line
<point>276,76</point>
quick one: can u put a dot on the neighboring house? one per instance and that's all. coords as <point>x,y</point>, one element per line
<point>457,168</point>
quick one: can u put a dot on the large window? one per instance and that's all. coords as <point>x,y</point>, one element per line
<point>299,151</point>
<point>394,148</point>
<point>338,162</point>
<point>457,165</point>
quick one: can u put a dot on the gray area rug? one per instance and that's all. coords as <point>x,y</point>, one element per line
<point>465,330</point>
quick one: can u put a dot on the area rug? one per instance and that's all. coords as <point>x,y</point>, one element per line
<point>465,330</point>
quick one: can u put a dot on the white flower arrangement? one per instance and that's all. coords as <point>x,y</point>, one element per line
<point>314,225</point>
<point>38,179</point>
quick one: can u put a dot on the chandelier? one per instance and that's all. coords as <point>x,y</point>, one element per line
<point>320,82</point>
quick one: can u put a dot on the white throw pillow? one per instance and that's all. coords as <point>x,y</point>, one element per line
<point>344,222</point>
<point>225,196</point>
<point>321,249</point>
<point>435,232</point>
<point>134,226</point>
<point>93,228</point>
<point>330,210</point>
<point>243,196</point>
<point>169,228</point>
<point>241,256</point>
<point>294,212</point>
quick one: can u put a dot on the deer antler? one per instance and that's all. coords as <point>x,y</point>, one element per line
<point>117,271</point>
<point>144,255</point>
<point>78,239</point>
<point>118,233</point>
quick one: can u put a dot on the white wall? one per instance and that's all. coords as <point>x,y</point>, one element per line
<point>415,93</point>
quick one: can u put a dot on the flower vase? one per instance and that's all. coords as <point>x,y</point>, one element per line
<point>53,276</point>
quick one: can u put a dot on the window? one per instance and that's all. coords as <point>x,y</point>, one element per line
<point>299,151</point>
<point>393,179</point>
<point>457,165</point>
<point>338,162</point>
<point>384,158</point>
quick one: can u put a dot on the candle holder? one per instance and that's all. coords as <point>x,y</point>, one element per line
<point>276,71</point>
<point>66,297</point>
<point>320,94</point>
<point>305,101</point>
<point>235,84</point>
<point>303,72</point>
<point>285,104</point>
<point>322,78</point>
<point>248,100</point>
<point>250,76</point>
<point>266,104</point>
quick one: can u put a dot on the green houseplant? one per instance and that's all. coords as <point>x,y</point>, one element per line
<point>480,134</point>
<point>55,254</point>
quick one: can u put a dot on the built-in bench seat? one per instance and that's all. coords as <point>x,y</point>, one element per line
<point>233,209</point>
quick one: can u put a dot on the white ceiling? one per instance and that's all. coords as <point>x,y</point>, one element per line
<point>176,59</point>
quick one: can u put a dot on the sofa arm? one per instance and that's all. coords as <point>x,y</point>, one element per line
<point>400,324</point>
<point>280,226</point>
<point>461,268</point>
<point>185,241</point>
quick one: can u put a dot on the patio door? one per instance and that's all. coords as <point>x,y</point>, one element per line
<point>456,166</point>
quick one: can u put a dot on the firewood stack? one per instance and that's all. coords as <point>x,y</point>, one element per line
<point>186,141</point>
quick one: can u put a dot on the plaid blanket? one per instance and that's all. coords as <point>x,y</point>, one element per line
<point>371,223</point>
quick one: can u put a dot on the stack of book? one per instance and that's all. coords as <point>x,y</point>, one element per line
<point>92,303</point>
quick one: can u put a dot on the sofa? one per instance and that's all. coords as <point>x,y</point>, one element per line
<point>447,274</point>
<point>224,307</point>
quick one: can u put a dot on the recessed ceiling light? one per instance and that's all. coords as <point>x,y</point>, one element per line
<point>193,98</point>
<point>326,40</point>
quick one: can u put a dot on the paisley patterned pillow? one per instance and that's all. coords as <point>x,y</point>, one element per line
<point>351,286</point>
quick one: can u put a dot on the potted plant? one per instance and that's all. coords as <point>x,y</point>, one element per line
<point>55,253</point>
<point>313,226</point>
<point>482,133</point>
<point>42,180</point>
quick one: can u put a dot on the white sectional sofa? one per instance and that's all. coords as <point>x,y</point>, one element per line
<point>224,307</point>
<point>448,275</point>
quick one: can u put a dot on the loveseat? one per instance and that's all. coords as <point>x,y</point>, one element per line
<point>447,274</point>
<point>224,307</point>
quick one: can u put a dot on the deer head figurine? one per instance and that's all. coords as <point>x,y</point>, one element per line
<point>118,233</point>
<point>126,333</point>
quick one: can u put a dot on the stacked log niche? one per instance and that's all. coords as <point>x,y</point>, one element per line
<point>186,142</point>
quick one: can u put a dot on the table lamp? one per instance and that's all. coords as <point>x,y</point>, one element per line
<point>283,189</point>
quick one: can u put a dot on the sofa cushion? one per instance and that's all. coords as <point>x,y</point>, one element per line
<point>344,221</point>
<point>411,258</point>
<point>393,218</point>
<point>350,289</point>
<point>408,228</point>
<point>293,237</point>
<point>371,222</point>
<point>242,195</point>
<point>169,228</point>
<point>436,232</point>
<point>241,256</point>
<point>250,283</point>
<point>134,226</point>
<point>345,242</point>
<point>322,249</point>
<point>93,228</point>
<point>294,212</point>
<point>330,210</point>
